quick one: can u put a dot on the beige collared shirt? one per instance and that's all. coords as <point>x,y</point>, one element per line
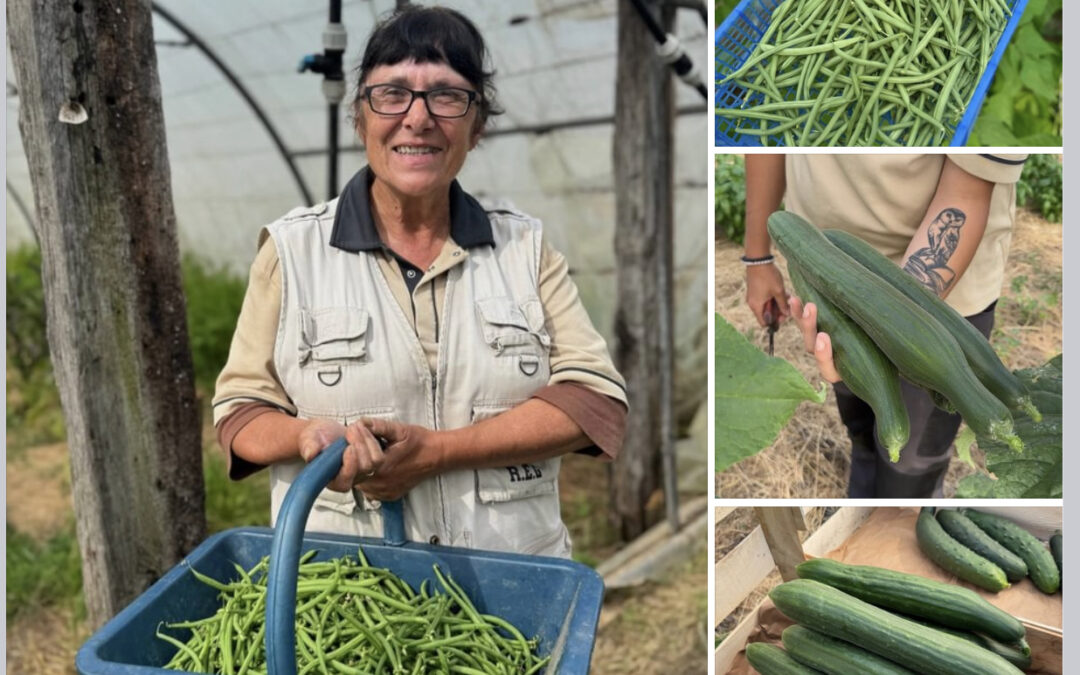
<point>883,199</point>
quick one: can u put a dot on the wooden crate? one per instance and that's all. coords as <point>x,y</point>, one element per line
<point>775,545</point>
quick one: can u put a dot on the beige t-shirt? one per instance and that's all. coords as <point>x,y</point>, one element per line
<point>883,199</point>
<point>578,352</point>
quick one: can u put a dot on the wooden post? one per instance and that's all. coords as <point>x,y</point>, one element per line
<point>644,115</point>
<point>781,525</point>
<point>94,133</point>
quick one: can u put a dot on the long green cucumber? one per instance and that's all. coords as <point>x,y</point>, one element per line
<point>1055,550</point>
<point>923,650</point>
<point>954,557</point>
<point>771,660</point>
<point>969,534</point>
<point>921,348</point>
<point>866,371</point>
<point>1018,654</point>
<point>911,594</point>
<point>980,355</point>
<point>1040,562</point>
<point>833,656</point>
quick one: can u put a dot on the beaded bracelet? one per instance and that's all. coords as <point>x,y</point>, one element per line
<point>750,262</point>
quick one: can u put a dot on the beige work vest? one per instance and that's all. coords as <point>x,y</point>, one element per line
<point>346,350</point>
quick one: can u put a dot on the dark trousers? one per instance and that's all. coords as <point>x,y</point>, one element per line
<point>923,461</point>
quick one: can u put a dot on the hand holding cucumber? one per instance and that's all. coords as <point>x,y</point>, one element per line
<point>817,342</point>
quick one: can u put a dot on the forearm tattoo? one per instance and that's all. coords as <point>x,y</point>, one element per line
<point>930,265</point>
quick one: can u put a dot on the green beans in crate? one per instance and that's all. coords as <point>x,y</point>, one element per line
<point>554,601</point>
<point>857,72</point>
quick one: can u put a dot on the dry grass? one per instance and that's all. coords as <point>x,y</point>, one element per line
<point>810,457</point>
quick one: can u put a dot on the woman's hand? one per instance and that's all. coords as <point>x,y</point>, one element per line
<point>410,456</point>
<point>764,284</point>
<point>361,459</point>
<point>817,343</point>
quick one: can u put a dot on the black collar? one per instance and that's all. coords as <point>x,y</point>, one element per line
<point>354,227</point>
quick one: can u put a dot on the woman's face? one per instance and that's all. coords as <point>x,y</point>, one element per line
<point>416,154</point>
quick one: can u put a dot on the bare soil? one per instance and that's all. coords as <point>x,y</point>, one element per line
<point>810,457</point>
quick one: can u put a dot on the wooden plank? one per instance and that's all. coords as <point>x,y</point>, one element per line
<point>782,526</point>
<point>734,643</point>
<point>722,512</point>
<point>740,571</point>
<point>836,530</point>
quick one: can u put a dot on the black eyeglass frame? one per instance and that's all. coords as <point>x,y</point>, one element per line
<point>414,94</point>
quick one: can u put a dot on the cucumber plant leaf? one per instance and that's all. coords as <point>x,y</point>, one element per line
<point>756,394</point>
<point>1036,472</point>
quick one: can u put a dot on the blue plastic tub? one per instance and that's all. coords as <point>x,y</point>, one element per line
<point>553,599</point>
<point>740,32</point>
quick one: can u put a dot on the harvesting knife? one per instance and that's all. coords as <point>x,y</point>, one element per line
<point>772,320</point>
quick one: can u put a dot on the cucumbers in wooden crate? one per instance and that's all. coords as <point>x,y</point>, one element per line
<point>971,535</point>
<point>900,640</point>
<point>771,660</point>
<point>954,557</point>
<point>1040,562</point>
<point>945,604</point>
<point>835,657</point>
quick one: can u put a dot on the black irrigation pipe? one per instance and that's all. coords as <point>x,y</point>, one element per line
<point>235,82</point>
<point>669,49</point>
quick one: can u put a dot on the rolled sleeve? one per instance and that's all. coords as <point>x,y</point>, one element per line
<point>579,353</point>
<point>249,375</point>
<point>1002,169</point>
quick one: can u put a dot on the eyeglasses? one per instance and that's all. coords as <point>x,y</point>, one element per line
<point>447,102</point>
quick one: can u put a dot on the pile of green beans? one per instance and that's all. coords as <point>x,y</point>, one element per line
<point>863,72</point>
<point>354,618</point>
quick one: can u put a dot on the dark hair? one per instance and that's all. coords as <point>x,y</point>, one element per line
<point>431,35</point>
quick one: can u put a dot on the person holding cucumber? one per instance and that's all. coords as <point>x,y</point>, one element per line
<point>445,341</point>
<point>945,219</point>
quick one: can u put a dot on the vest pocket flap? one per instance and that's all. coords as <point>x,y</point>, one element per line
<point>501,312</point>
<point>504,324</point>
<point>333,333</point>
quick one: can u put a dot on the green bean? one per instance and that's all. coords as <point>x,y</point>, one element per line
<point>354,619</point>
<point>816,52</point>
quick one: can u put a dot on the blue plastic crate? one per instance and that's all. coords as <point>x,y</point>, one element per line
<point>555,600</point>
<point>740,32</point>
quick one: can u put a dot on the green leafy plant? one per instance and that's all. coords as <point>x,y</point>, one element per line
<point>46,573</point>
<point>33,403</point>
<point>214,296</point>
<point>729,201</point>
<point>1036,473</point>
<point>1040,186</point>
<point>756,394</point>
<point>723,9</point>
<point>232,503</point>
<point>1023,106</point>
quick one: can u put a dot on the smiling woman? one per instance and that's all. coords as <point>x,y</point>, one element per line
<point>445,342</point>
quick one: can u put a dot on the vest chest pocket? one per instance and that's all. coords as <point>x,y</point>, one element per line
<point>513,330</point>
<point>331,338</point>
